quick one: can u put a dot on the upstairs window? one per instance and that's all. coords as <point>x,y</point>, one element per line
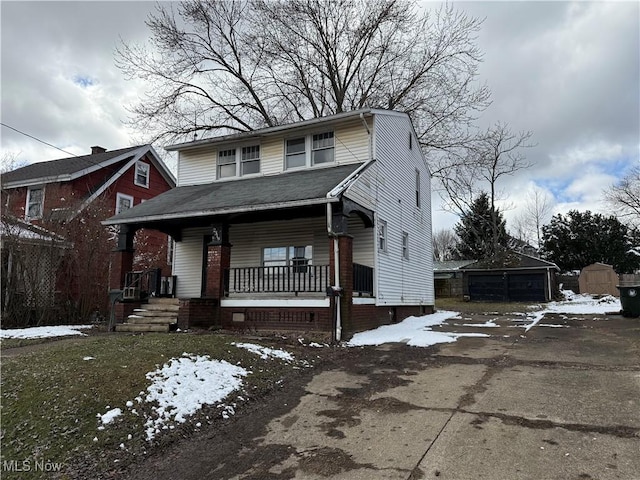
<point>240,161</point>
<point>382,236</point>
<point>405,245</point>
<point>250,160</point>
<point>123,202</point>
<point>35,203</point>
<point>142,174</point>
<point>296,155</point>
<point>227,163</point>
<point>417,188</point>
<point>322,148</point>
<point>308,151</point>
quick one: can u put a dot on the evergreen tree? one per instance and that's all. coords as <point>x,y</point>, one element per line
<point>580,239</point>
<point>481,232</point>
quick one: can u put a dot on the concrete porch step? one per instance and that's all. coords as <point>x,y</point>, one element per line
<point>164,301</point>
<point>132,327</point>
<point>143,312</point>
<point>151,320</point>
<point>166,307</point>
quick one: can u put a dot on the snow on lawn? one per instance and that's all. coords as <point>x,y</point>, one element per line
<point>182,386</point>
<point>265,352</point>
<point>584,304</point>
<point>414,331</point>
<point>44,332</point>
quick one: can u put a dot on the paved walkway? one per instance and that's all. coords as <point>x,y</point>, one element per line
<point>557,402</point>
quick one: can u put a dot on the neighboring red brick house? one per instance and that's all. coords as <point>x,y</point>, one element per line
<point>71,196</point>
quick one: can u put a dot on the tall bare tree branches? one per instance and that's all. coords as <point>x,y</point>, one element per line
<point>225,66</point>
<point>468,172</point>
<point>624,197</point>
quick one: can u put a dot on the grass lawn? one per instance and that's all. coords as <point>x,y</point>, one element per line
<point>51,397</point>
<point>489,308</point>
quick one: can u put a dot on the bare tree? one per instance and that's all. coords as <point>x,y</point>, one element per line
<point>493,155</point>
<point>224,66</point>
<point>9,161</point>
<point>537,212</point>
<point>624,197</point>
<point>444,245</point>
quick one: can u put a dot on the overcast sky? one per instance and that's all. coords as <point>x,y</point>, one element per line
<point>568,72</point>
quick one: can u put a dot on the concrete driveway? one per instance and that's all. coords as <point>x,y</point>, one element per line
<point>560,402</point>
<point>556,402</point>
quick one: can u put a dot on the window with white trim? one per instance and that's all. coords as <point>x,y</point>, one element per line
<point>322,150</point>
<point>405,245</point>
<point>296,153</point>
<point>171,244</point>
<point>382,235</point>
<point>316,149</point>
<point>227,163</point>
<point>298,257</point>
<point>35,203</point>
<point>237,162</point>
<point>417,188</point>
<point>142,174</point>
<point>123,202</point>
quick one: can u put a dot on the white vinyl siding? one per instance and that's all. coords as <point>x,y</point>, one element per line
<point>363,242</point>
<point>196,167</point>
<point>187,264</point>
<point>248,240</point>
<point>409,281</point>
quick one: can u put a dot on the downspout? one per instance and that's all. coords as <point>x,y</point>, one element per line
<point>336,267</point>
<point>336,246</point>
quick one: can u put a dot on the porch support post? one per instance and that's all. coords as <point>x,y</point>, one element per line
<point>121,258</point>
<point>345,263</point>
<point>218,264</point>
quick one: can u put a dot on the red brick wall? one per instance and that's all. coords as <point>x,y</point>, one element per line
<point>218,260</point>
<point>124,309</point>
<point>197,312</point>
<point>285,319</point>
<point>367,317</point>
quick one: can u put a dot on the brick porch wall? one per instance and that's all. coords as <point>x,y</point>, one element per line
<point>367,317</point>
<point>124,309</point>
<point>314,319</point>
<point>197,312</point>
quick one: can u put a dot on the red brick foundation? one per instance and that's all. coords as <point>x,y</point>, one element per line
<point>316,319</point>
<point>198,312</point>
<point>124,309</point>
<point>367,317</point>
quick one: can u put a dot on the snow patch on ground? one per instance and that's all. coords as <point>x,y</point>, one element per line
<point>182,386</point>
<point>414,331</point>
<point>265,352</point>
<point>584,304</point>
<point>110,415</point>
<point>488,323</point>
<point>44,332</point>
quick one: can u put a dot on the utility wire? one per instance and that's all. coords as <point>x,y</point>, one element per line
<point>37,139</point>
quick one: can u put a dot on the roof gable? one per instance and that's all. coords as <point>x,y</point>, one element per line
<point>70,168</point>
<point>510,260</point>
<point>243,195</point>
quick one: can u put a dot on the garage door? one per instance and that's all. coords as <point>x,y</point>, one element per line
<point>527,287</point>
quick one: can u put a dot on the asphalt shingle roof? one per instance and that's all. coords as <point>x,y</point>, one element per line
<point>62,166</point>
<point>214,198</point>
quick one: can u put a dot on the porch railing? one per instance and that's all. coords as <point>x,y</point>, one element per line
<point>140,285</point>
<point>280,279</point>
<point>293,279</point>
<point>362,280</point>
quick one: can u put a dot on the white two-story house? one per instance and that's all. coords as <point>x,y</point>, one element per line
<point>320,225</point>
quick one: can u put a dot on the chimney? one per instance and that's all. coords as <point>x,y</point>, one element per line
<point>96,149</point>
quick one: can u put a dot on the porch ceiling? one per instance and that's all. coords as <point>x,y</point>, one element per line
<point>304,188</point>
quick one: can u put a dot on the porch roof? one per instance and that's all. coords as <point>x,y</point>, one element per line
<point>291,189</point>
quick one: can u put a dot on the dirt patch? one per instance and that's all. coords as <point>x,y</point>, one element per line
<point>328,462</point>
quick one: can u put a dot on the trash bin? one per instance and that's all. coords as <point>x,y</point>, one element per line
<point>630,300</point>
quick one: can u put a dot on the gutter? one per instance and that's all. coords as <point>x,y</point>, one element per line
<point>220,211</point>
